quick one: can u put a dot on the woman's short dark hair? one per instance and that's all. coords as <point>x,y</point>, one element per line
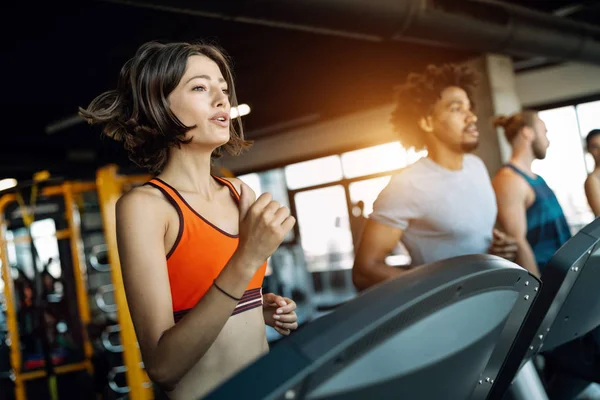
<point>416,98</point>
<point>137,113</point>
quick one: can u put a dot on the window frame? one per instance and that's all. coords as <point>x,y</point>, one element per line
<point>565,103</point>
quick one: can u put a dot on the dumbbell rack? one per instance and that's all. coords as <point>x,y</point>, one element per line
<point>19,377</point>
<point>109,342</point>
<point>104,310</point>
<point>5,372</point>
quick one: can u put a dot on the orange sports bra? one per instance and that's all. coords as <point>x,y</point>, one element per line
<point>200,253</point>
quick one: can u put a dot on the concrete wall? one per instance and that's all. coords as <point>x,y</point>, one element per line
<point>494,95</point>
<point>559,83</point>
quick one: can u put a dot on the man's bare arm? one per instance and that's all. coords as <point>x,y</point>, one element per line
<point>378,240</point>
<point>511,194</point>
<point>592,192</point>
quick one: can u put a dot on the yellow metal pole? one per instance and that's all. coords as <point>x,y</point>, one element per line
<point>79,271</point>
<point>65,369</point>
<point>139,179</point>
<point>60,234</point>
<point>110,188</point>
<point>30,376</point>
<point>76,187</point>
<point>11,310</point>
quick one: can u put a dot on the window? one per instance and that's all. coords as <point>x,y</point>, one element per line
<point>587,115</point>
<point>325,228</point>
<point>334,195</point>
<point>566,165</point>
<point>46,245</point>
<point>385,157</point>
<point>273,182</point>
<point>313,172</point>
<point>326,193</point>
<point>367,191</point>
<point>252,180</point>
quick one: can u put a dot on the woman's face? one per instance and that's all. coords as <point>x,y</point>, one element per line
<point>201,99</point>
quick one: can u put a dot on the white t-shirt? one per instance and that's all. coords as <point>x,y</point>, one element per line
<point>443,213</point>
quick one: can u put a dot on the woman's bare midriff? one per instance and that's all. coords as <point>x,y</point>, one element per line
<point>241,341</point>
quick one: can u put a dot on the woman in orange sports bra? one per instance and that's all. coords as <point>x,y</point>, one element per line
<point>193,247</point>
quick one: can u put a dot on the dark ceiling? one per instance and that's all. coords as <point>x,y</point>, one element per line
<point>58,57</point>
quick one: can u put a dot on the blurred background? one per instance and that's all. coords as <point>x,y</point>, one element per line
<point>315,82</point>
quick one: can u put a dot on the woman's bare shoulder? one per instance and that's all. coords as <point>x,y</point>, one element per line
<point>237,184</point>
<point>141,201</point>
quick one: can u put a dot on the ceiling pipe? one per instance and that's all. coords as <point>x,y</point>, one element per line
<point>493,26</point>
<point>478,25</point>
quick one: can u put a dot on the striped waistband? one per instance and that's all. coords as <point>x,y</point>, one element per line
<point>251,299</point>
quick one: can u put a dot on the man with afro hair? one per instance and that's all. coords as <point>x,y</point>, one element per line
<point>444,204</point>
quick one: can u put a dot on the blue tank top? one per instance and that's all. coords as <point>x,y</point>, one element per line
<point>547,227</point>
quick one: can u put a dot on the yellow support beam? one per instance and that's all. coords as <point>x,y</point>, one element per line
<point>79,271</point>
<point>110,188</point>
<point>60,234</point>
<point>60,370</point>
<point>75,187</point>
<point>65,369</point>
<point>33,375</point>
<point>133,179</point>
<point>11,309</point>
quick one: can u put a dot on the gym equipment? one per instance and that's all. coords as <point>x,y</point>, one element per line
<point>101,302</point>
<point>567,308</point>
<point>440,331</point>
<point>95,257</point>
<point>102,258</point>
<point>57,205</point>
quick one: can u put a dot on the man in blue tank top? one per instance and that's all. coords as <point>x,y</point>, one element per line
<point>527,208</point>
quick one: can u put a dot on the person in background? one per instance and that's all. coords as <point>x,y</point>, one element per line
<point>527,208</point>
<point>357,222</point>
<point>443,205</point>
<point>592,183</point>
